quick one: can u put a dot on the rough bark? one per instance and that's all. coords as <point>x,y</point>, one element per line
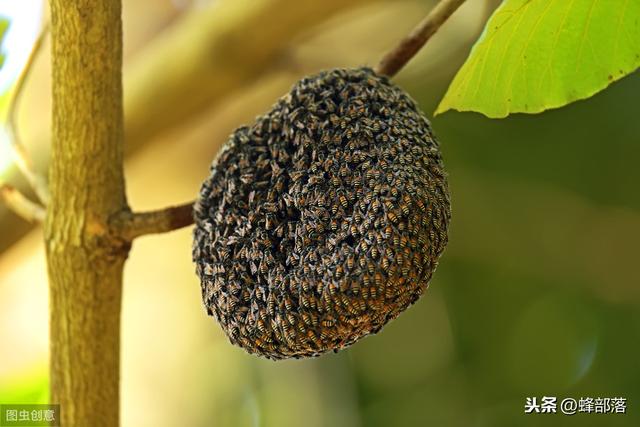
<point>86,180</point>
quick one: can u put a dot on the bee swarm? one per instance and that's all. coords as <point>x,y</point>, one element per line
<point>324,219</point>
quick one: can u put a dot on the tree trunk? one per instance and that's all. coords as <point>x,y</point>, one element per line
<point>85,260</point>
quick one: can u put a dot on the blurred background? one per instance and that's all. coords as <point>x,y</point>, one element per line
<point>538,292</point>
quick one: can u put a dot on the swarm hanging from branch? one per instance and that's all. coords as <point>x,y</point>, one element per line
<point>324,219</point>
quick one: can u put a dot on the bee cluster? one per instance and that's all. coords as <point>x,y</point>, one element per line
<point>324,219</point>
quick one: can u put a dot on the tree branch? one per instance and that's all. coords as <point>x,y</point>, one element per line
<point>398,57</point>
<point>23,159</point>
<point>129,225</point>
<point>21,205</point>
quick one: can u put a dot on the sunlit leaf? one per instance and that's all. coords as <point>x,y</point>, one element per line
<point>540,54</point>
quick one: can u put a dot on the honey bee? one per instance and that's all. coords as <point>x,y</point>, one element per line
<point>406,269</point>
<point>350,262</point>
<point>333,289</point>
<point>271,305</point>
<point>404,207</point>
<point>352,309</point>
<point>327,323</point>
<point>260,325</point>
<point>288,304</point>
<point>306,318</point>
<point>365,291</point>
<point>363,262</point>
<point>373,292</point>
<point>301,329</point>
<point>304,299</point>
<point>389,293</point>
<point>366,280</point>
<point>378,278</point>
<point>371,268</point>
<point>343,201</point>
<point>374,252</point>
<point>291,319</point>
<point>388,205</point>
<point>355,287</point>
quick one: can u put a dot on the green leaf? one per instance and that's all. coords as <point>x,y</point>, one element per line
<point>4,26</point>
<point>539,54</point>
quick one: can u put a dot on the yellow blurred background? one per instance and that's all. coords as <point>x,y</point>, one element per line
<point>537,294</point>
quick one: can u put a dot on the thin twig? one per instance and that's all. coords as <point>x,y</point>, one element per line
<point>397,57</point>
<point>21,205</point>
<point>23,160</point>
<point>130,225</point>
